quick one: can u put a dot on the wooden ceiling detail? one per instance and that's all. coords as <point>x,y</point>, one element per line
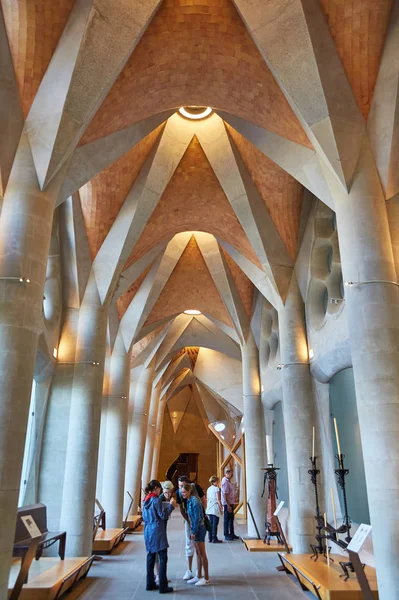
<point>358,28</point>
<point>192,352</point>
<point>193,201</point>
<point>126,298</point>
<point>34,29</point>
<point>190,287</point>
<point>244,286</point>
<point>281,193</point>
<point>104,195</point>
<point>143,343</point>
<point>196,52</point>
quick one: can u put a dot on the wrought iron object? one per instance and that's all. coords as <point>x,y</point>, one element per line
<point>271,525</point>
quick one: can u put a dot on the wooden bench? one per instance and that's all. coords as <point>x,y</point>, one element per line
<point>260,546</point>
<point>108,539</point>
<point>324,581</point>
<point>132,522</point>
<point>22,539</point>
<point>50,578</point>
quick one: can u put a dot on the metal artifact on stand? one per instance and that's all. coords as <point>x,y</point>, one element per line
<point>272,528</point>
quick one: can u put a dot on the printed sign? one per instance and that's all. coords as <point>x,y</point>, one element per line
<point>31,526</point>
<point>359,538</point>
<point>280,506</point>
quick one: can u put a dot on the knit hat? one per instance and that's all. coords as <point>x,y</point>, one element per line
<point>167,485</point>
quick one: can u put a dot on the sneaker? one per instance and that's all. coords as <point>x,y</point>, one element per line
<point>217,541</point>
<point>195,579</point>
<point>149,588</point>
<point>167,590</point>
<point>188,575</point>
<point>236,537</point>
<point>203,581</point>
<point>156,580</point>
<point>229,539</point>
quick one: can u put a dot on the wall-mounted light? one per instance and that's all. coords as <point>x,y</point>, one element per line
<point>81,362</point>
<point>192,311</point>
<point>282,365</point>
<point>336,300</point>
<point>311,353</point>
<point>262,389</point>
<point>55,352</point>
<point>353,283</point>
<point>20,279</point>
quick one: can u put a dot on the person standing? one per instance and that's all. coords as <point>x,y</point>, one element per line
<point>155,513</point>
<point>228,494</point>
<point>190,549</point>
<point>195,512</point>
<point>214,508</point>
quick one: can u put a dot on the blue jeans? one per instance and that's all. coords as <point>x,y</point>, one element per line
<point>228,522</point>
<point>213,535</point>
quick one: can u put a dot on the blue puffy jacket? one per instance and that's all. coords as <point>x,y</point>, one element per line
<point>155,513</point>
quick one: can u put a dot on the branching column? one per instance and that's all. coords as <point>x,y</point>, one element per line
<point>116,435</point>
<point>158,439</point>
<point>255,444</point>
<point>373,317</point>
<point>269,430</point>
<point>25,232</point>
<point>298,413</point>
<point>138,432</point>
<point>151,431</point>
<point>84,429</point>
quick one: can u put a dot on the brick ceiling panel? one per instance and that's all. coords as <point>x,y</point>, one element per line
<point>34,28</point>
<point>358,28</point>
<point>281,193</point>
<point>126,298</point>
<point>244,286</point>
<point>193,201</point>
<point>104,195</point>
<point>190,287</point>
<point>196,53</point>
<point>139,346</point>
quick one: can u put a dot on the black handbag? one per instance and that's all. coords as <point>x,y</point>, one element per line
<point>207,523</point>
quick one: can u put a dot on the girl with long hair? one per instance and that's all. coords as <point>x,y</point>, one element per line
<point>195,512</point>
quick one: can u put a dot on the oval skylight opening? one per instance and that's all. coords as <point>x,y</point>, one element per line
<point>195,112</point>
<point>192,312</point>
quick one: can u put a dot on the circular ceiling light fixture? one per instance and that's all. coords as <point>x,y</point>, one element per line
<point>195,112</point>
<point>220,427</point>
<point>192,312</point>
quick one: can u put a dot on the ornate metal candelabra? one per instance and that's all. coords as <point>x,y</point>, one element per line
<point>272,529</point>
<point>318,548</point>
<point>341,474</point>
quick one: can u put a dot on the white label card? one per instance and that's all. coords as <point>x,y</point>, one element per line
<point>280,506</point>
<point>31,526</point>
<point>359,538</point>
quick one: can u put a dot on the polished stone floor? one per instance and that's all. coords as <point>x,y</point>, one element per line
<point>235,573</point>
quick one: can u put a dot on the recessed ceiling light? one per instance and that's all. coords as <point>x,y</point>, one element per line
<point>192,312</point>
<point>195,112</point>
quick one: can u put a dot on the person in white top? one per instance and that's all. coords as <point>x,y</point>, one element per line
<point>214,508</point>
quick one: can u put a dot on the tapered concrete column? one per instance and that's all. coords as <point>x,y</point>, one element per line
<point>373,318</point>
<point>158,439</point>
<point>269,430</point>
<point>298,413</point>
<point>112,496</point>
<point>84,429</point>
<point>138,433</point>
<point>255,444</point>
<point>25,232</point>
<point>151,433</point>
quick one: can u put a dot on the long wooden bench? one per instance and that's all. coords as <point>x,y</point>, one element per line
<point>50,578</point>
<point>132,522</point>
<point>324,581</point>
<point>108,539</point>
<point>260,546</point>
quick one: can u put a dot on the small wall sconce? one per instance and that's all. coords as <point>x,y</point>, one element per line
<point>336,300</point>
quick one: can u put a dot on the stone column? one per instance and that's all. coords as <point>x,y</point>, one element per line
<point>255,444</point>
<point>151,432</point>
<point>158,439</point>
<point>299,417</point>
<point>84,428</point>
<point>25,231</point>
<point>269,430</point>
<point>112,497</point>
<point>373,318</point>
<point>137,433</point>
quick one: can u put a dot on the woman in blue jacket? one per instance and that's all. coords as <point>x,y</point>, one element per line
<point>155,513</point>
<point>196,514</point>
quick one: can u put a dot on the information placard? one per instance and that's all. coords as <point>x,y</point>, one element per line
<point>31,526</point>
<point>359,538</point>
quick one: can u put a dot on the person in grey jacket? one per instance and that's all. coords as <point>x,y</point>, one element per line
<point>155,513</point>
